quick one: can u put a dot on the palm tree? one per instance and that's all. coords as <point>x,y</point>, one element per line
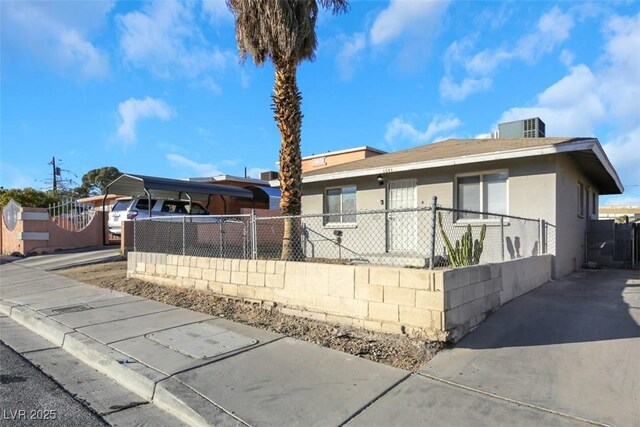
<point>283,31</point>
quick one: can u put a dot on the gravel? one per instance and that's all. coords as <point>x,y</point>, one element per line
<point>399,351</point>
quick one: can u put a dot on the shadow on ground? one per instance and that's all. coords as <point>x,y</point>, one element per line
<point>590,305</point>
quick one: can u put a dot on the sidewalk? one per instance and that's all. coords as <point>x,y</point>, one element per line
<point>210,371</point>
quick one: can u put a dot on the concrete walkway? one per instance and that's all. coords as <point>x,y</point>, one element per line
<point>210,371</point>
<point>66,259</point>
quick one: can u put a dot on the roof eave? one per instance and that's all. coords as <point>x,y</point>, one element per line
<point>587,144</point>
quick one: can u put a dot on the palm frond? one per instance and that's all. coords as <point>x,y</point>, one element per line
<point>280,30</point>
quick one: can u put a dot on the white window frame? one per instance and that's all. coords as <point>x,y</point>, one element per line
<point>327,214</point>
<point>581,199</point>
<point>481,174</point>
<point>594,204</point>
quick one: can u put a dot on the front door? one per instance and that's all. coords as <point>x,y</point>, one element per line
<point>402,226</point>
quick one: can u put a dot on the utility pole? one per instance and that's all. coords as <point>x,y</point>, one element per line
<point>55,186</point>
<point>56,173</point>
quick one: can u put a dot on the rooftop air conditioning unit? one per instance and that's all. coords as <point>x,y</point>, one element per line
<point>269,175</point>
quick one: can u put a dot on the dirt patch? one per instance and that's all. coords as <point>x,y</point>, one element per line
<point>399,351</point>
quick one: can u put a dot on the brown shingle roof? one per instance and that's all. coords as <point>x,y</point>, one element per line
<point>449,149</point>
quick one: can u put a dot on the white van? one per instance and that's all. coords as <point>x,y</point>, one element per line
<point>138,207</point>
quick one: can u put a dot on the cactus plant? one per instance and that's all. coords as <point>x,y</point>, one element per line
<point>466,250</point>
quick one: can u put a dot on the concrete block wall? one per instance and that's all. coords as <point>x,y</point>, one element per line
<point>472,293</point>
<point>436,304</point>
<point>383,299</point>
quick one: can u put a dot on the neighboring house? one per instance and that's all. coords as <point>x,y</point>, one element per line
<point>333,158</point>
<point>97,201</point>
<point>632,213</point>
<point>554,179</point>
<point>264,197</point>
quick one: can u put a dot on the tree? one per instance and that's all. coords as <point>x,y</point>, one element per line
<point>95,181</point>
<point>27,197</point>
<point>284,32</point>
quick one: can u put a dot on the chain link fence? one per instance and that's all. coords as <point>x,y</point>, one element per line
<point>421,237</point>
<point>205,236</point>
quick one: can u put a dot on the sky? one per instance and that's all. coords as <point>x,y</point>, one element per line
<point>157,88</point>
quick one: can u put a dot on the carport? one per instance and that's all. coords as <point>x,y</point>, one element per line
<point>173,189</point>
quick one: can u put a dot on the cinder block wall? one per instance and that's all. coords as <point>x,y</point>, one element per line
<point>436,304</point>
<point>385,299</point>
<point>472,293</point>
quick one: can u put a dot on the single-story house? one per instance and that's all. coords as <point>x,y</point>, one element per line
<point>557,180</point>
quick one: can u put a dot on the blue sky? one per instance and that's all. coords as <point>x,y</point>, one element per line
<point>156,88</point>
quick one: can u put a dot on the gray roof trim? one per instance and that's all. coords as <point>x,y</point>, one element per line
<point>568,146</point>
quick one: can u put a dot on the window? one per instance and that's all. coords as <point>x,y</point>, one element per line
<point>197,209</point>
<point>594,204</point>
<point>143,204</point>
<point>340,204</point>
<point>580,209</point>
<point>483,192</point>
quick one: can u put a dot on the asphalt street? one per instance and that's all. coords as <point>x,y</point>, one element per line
<point>28,397</point>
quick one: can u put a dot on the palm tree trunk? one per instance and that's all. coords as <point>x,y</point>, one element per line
<point>286,106</point>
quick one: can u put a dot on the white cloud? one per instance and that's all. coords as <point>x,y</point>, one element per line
<point>211,85</point>
<point>58,33</point>
<point>191,167</point>
<point>552,29</point>
<point>457,92</point>
<point>569,107</point>
<point>413,25</point>
<point>606,96</point>
<point>216,11</point>
<point>133,110</point>
<point>620,85</point>
<point>403,16</point>
<point>349,55</point>
<point>624,154</point>
<point>567,57</point>
<point>399,129</point>
<point>165,37</point>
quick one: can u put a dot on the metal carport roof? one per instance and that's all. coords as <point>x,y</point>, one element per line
<point>165,188</point>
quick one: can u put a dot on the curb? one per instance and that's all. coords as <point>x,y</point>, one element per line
<point>166,392</point>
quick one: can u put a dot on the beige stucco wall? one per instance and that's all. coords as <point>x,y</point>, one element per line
<point>531,194</point>
<point>311,163</point>
<point>50,235</point>
<point>570,228</point>
<point>541,187</point>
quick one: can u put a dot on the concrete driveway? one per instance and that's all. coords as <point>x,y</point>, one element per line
<point>571,347</point>
<point>66,259</point>
<point>567,353</point>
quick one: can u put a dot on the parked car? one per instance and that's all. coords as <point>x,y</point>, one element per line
<point>138,207</point>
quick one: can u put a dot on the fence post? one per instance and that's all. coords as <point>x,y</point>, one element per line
<point>254,235</point>
<point>135,237</point>
<point>543,236</point>
<point>432,253</point>
<point>184,235</point>
<point>540,237</point>
<point>502,237</point>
